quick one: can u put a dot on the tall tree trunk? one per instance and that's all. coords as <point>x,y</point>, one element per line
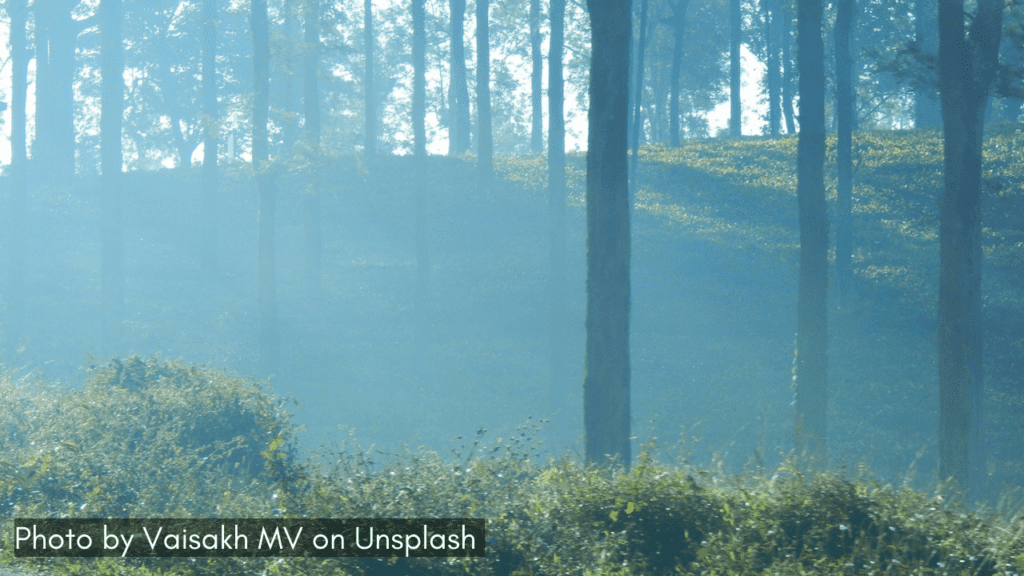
<point>42,143</point>
<point>606,406</point>
<point>485,143</point>
<point>771,21</point>
<point>56,32</point>
<point>844,145</point>
<point>536,74</point>
<point>17,10</point>
<point>812,308</point>
<point>289,91</point>
<point>559,386</point>
<point>111,111</point>
<point>370,106</point>
<point>678,36</point>
<point>638,92</point>
<point>927,109</point>
<point>311,111</point>
<point>785,39</point>
<point>735,68</point>
<point>458,93</point>
<point>419,100</point>
<point>211,134</point>
<point>266,187</point>
<point>967,68</point>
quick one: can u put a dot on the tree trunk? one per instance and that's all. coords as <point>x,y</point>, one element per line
<point>735,68</point>
<point>927,110</point>
<point>606,399</point>
<point>419,99</point>
<point>785,40</point>
<point>211,133</point>
<point>678,35</point>
<point>458,93</point>
<point>844,145</point>
<point>370,112</point>
<point>56,32</point>
<point>311,112</point>
<point>967,67</point>
<point>18,12</point>
<point>772,63</point>
<point>111,111</point>
<point>560,385</point>
<point>266,187</point>
<point>811,376</point>
<point>288,93</point>
<point>536,91</point>
<point>638,92</point>
<point>485,141</point>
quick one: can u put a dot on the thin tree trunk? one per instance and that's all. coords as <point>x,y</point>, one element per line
<point>810,435</point>
<point>311,111</point>
<point>211,133</point>
<point>606,401</point>
<point>536,103</point>
<point>735,68</point>
<point>678,35</point>
<point>18,12</point>
<point>967,67</point>
<point>772,62</point>
<point>844,145</point>
<point>927,109</point>
<point>111,110</point>
<point>458,93</point>
<point>370,125</point>
<point>267,189</point>
<point>638,92</point>
<point>785,38</point>
<point>485,141</point>
<point>559,386</point>
<point>419,99</point>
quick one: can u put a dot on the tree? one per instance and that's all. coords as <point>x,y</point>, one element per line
<point>419,99</point>
<point>784,36</point>
<point>265,186</point>
<point>638,91</point>
<point>812,308</point>
<point>458,92</point>
<point>18,12</point>
<point>678,22</point>
<point>773,84</point>
<point>370,107</point>
<point>844,144</point>
<point>537,71</point>
<point>56,32</point>
<point>735,68</point>
<point>485,141</point>
<point>111,112</point>
<point>311,112</point>
<point>211,133</point>
<point>606,406</point>
<point>968,62</point>
<point>927,111</point>
<point>558,386</point>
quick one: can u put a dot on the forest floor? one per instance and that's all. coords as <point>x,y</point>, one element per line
<point>713,305</point>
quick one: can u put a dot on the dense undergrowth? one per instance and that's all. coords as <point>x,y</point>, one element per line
<point>152,438</point>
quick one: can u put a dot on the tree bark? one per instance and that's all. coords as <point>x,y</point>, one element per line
<point>772,63</point>
<point>844,144</point>
<point>735,68</point>
<point>811,376</point>
<point>785,39</point>
<point>458,93</point>
<point>536,74</point>
<point>266,187</point>
<point>111,111</point>
<point>485,140</point>
<point>967,69</point>
<point>606,402</point>
<point>211,133</point>
<point>56,32</point>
